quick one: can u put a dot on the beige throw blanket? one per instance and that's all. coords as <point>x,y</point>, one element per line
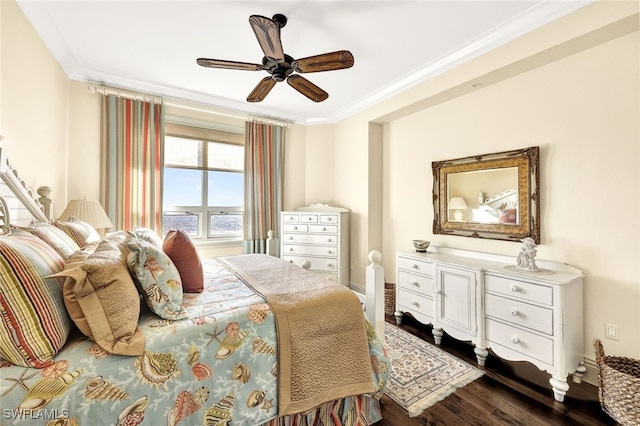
<point>322,341</point>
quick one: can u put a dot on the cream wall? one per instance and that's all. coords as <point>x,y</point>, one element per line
<point>571,88</point>
<point>34,105</point>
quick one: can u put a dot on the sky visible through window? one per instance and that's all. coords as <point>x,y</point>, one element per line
<point>183,187</point>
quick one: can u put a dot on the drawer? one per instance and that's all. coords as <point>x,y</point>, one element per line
<point>310,239</point>
<point>290,218</point>
<point>295,227</point>
<point>326,251</point>
<point>317,263</point>
<point>309,218</point>
<point>415,265</point>
<point>328,275</point>
<point>414,282</point>
<point>521,341</point>
<point>421,307</point>
<point>328,218</point>
<point>327,229</point>
<point>519,313</point>
<point>529,292</point>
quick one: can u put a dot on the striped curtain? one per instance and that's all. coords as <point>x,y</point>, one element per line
<point>263,176</point>
<point>131,161</point>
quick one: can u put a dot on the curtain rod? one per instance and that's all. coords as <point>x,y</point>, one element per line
<point>124,94</point>
<point>158,100</point>
<point>265,120</point>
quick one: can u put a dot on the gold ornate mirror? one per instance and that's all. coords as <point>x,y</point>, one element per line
<point>488,196</point>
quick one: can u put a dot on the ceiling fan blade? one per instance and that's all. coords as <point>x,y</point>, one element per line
<point>307,88</point>
<point>229,65</point>
<point>325,62</point>
<point>268,34</point>
<point>261,90</point>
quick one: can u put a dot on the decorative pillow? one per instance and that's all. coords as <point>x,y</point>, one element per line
<point>157,278</point>
<point>34,323</point>
<point>179,247</point>
<point>148,235</point>
<point>81,232</point>
<point>55,237</point>
<point>102,299</point>
<point>508,216</point>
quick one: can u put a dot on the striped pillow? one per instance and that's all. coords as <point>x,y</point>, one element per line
<point>81,232</point>
<point>55,237</point>
<point>34,323</point>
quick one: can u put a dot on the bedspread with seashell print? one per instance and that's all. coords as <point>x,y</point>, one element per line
<point>218,367</point>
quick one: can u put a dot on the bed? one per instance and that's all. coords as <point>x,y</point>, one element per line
<point>263,343</point>
<point>499,208</point>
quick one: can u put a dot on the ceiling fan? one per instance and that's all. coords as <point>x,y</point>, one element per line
<point>281,66</point>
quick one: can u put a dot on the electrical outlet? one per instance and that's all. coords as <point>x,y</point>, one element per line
<point>611,331</point>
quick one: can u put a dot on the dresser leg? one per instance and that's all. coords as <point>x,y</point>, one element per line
<point>437,335</point>
<point>481,355</point>
<point>560,388</point>
<point>398,316</point>
<point>579,373</point>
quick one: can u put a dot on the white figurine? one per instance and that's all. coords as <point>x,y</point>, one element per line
<point>526,258</point>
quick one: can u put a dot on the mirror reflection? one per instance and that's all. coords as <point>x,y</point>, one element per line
<point>484,196</point>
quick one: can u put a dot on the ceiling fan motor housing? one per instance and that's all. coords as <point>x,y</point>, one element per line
<point>278,70</point>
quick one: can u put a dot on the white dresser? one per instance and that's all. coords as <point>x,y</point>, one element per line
<point>481,298</point>
<point>319,235</point>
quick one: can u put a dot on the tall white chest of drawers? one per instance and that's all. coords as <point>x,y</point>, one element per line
<point>481,298</point>
<point>319,236</point>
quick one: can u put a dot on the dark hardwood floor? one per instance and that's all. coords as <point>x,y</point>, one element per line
<point>509,393</point>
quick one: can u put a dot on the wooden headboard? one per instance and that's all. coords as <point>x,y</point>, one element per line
<point>22,205</point>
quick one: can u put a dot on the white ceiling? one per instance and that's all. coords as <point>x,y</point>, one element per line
<point>152,46</point>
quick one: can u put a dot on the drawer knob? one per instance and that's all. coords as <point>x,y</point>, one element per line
<point>515,340</point>
<point>415,284</point>
<point>290,248</point>
<point>415,266</point>
<point>329,219</point>
<point>438,291</point>
<point>290,238</point>
<point>514,312</point>
<point>329,239</point>
<point>416,304</point>
<point>309,219</point>
<point>324,228</point>
<point>295,228</point>
<point>514,288</point>
<point>329,251</point>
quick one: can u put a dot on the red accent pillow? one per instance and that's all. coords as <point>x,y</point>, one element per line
<point>180,249</point>
<point>508,216</point>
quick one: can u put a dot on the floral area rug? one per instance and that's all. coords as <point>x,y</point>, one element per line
<point>422,374</point>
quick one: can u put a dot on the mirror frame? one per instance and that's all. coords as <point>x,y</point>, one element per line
<point>527,161</point>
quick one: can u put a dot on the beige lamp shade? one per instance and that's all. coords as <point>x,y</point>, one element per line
<point>457,203</point>
<point>89,211</point>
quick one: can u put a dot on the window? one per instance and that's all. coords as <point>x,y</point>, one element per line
<point>203,192</point>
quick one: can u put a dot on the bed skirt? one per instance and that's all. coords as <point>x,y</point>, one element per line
<point>359,410</point>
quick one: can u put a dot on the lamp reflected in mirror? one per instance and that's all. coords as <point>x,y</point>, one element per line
<point>457,204</point>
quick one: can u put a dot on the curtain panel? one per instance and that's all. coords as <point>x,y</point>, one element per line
<point>131,162</point>
<point>263,183</point>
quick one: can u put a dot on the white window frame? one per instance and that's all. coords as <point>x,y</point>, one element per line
<point>204,212</point>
